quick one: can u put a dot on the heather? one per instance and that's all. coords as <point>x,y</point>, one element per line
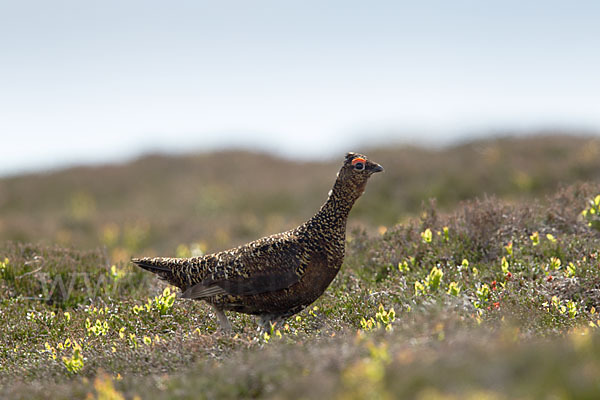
<point>471,272</point>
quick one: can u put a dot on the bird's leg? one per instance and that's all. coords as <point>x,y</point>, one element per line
<point>268,323</point>
<point>264,324</point>
<point>223,321</point>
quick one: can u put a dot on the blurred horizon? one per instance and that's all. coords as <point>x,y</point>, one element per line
<point>289,153</point>
<point>95,83</point>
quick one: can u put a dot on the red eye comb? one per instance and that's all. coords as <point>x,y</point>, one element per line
<point>358,160</point>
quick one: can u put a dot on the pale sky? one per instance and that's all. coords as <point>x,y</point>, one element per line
<point>85,81</point>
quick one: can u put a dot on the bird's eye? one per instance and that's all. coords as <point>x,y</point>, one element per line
<point>358,164</point>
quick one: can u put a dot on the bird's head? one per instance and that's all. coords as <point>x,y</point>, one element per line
<point>360,165</point>
<point>355,172</point>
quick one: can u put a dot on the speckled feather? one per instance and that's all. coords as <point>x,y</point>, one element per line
<point>279,275</point>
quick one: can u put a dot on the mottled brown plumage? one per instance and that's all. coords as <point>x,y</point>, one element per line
<point>279,275</point>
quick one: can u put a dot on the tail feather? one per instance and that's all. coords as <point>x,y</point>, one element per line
<point>160,267</point>
<point>151,264</point>
<point>168,269</point>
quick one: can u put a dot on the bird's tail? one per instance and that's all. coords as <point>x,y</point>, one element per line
<point>158,265</point>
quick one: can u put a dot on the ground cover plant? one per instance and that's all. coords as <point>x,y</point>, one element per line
<point>217,200</point>
<point>497,296</point>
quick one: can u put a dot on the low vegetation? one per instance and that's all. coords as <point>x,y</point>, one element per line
<point>218,200</point>
<point>497,296</point>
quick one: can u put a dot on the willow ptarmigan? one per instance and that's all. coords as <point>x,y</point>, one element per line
<point>279,275</point>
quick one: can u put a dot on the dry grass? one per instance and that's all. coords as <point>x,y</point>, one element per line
<point>517,319</point>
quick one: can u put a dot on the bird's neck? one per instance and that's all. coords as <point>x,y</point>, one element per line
<point>334,212</point>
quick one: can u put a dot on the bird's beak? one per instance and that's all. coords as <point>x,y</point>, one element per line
<point>377,168</point>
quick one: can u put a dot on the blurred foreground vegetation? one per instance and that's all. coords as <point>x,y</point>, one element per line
<point>492,290</point>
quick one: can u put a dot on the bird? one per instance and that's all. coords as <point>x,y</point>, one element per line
<point>276,276</point>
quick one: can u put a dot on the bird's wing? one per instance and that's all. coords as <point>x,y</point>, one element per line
<point>265,268</point>
<point>201,291</point>
<point>240,286</point>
